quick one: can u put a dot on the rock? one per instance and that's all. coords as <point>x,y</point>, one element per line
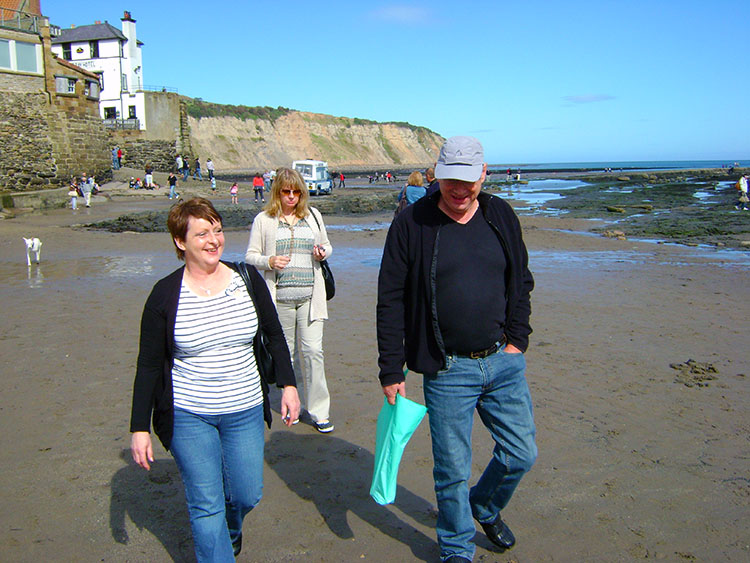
<point>619,235</point>
<point>623,178</point>
<point>745,243</point>
<point>615,209</point>
<point>694,374</point>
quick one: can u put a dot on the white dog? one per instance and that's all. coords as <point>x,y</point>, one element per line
<point>33,245</point>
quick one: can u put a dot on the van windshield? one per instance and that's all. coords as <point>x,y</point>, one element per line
<point>304,169</point>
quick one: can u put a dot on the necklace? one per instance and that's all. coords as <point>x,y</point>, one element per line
<point>207,290</point>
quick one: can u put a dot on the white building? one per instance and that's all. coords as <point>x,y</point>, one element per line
<point>115,56</point>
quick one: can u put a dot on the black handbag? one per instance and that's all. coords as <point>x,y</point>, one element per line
<point>325,269</point>
<point>261,349</point>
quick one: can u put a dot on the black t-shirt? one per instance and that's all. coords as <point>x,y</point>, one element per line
<point>172,180</point>
<point>470,286</point>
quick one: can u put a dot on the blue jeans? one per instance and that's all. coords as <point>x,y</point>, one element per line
<point>185,173</point>
<point>220,458</point>
<point>198,174</point>
<point>497,388</point>
<point>172,191</point>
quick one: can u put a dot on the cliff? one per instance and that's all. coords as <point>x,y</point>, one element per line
<point>254,139</point>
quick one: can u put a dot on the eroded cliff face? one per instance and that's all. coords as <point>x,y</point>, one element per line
<point>260,144</point>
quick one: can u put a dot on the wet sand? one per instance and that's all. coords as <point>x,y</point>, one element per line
<point>633,464</point>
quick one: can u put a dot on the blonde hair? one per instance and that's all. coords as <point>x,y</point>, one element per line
<point>289,179</point>
<point>415,179</point>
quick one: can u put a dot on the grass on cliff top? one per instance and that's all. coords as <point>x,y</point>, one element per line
<point>197,108</point>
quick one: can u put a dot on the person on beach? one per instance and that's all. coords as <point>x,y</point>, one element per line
<point>115,160</point>
<point>342,180</point>
<point>210,167</point>
<point>73,193</point>
<point>185,168</point>
<point>197,376</point>
<point>197,169</point>
<point>743,197</point>
<point>178,164</point>
<point>414,189</point>
<point>148,179</point>
<point>233,191</point>
<point>119,157</point>
<point>454,304</point>
<point>288,240</point>
<point>432,183</point>
<point>172,181</point>
<point>258,185</point>
<point>87,186</point>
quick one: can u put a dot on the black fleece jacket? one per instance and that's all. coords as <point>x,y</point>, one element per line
<point>152,390</point>
<point>407,324</point>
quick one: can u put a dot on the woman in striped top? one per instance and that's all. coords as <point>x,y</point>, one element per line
<point>197,374</point>
<point>287,242</point>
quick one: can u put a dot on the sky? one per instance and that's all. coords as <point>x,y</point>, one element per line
<point>534,81</point>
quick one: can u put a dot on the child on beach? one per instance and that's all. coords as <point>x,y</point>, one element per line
<point>233,192</point>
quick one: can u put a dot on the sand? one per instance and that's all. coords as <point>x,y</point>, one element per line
<point>633,463</point>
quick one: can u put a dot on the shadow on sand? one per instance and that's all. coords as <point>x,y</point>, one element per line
<point>154,500</point>
<point>335,475</point>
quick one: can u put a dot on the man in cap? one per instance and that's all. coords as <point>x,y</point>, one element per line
<point>454,304</point>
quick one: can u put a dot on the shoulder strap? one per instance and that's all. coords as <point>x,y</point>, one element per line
<point>242,271</point>
<point>314,217</point>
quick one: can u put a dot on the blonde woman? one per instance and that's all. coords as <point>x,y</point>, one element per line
<point>288,240</point>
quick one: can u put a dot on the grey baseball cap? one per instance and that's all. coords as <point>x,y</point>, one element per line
<point>461,158</point>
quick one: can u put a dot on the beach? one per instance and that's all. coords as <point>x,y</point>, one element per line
<point>641,455</point>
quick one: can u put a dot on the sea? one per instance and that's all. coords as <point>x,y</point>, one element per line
<point>632,165</point>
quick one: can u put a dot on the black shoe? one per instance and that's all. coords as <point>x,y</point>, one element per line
<point>237,545</point>
<point>456,559</point>
<point>499,533</point>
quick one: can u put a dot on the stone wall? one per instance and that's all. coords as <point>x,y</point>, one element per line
<point>137,151</point>
<point>12,82</point>
<point>43,146</point>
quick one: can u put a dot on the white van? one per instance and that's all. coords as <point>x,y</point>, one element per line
<point>315,174</point>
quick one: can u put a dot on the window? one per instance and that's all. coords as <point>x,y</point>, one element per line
<point>110,113</point>
<point>124,82</point>
<point>4,54</point>
<point>101,80</point>
<point>20,56</point>
<point>91,89</point>
<point>94,49</point>
<point>26,57</point>
<point>65,85</point>
<point>304,169</point>
<point>67,52</point>
<point>131,112</point>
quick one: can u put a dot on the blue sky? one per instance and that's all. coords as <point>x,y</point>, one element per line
<point>534,81</point>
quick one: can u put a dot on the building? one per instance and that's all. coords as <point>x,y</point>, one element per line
<point>115,57</point>
<point>50,128</point>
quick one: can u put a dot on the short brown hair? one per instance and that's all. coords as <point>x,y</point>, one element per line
<point>180,214</point>
<point>289,179</point>
<point>415,179</point>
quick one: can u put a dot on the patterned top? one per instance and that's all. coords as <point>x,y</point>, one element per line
<point>295,282</point>
<point>214,368</point>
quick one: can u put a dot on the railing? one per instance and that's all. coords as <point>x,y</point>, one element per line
<point>159,89</point>
<point>14,19</point>
<point>122,123</point>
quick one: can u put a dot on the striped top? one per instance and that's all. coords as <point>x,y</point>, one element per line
<point>214,369</point>
<point>295,282</point>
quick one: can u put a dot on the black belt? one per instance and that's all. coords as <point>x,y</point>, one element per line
<point>483,353</point>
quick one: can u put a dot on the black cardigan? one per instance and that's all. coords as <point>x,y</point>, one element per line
<point>152,390</point>
<point>407,324</point>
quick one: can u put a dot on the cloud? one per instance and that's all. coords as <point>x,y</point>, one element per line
<point>401,14</point>
<point>588,98</point>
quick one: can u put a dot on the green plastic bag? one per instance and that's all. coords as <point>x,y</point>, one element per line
<point>396,424</point>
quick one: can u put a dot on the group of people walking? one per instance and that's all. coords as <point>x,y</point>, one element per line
<point>453,305</point>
